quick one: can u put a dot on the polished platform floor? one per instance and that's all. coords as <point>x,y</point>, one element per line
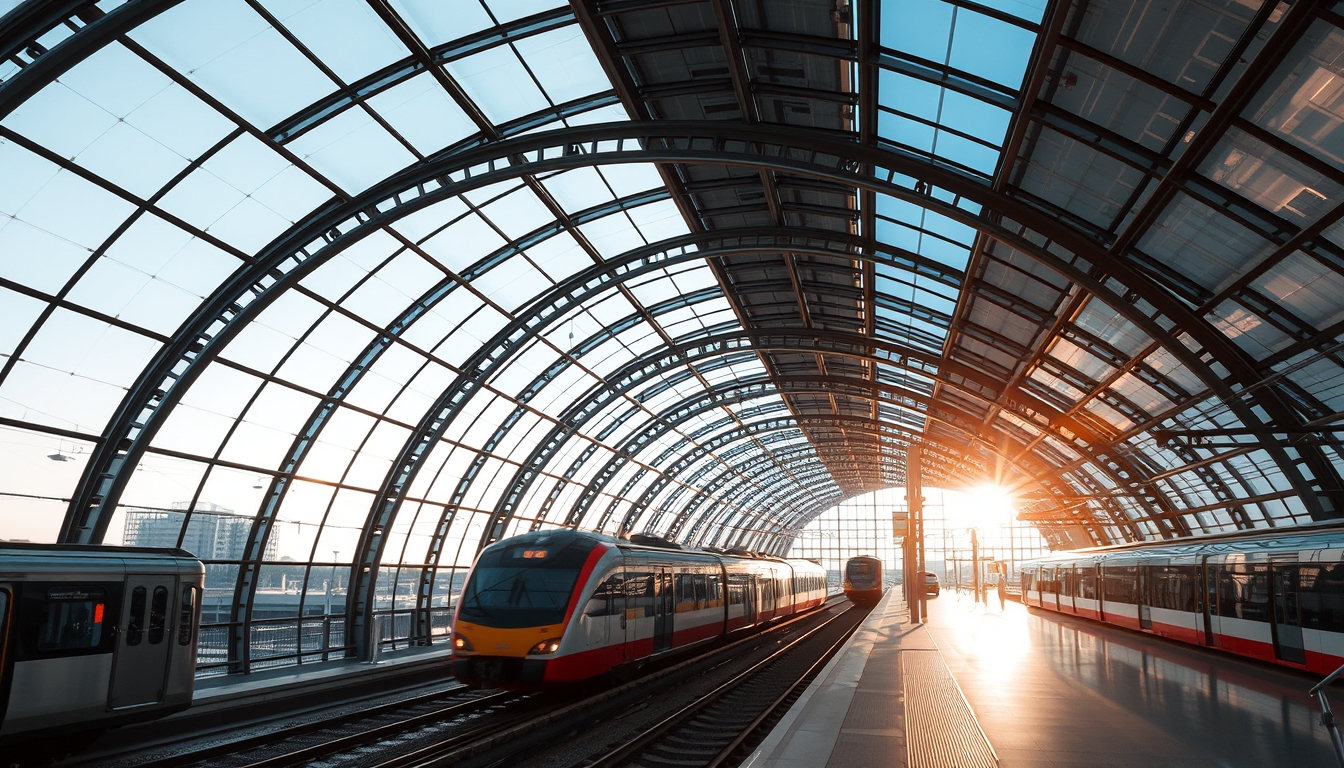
<point>1044,690</point>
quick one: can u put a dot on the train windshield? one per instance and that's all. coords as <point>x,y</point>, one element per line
<point>526,585</point>
<point>861,573</point>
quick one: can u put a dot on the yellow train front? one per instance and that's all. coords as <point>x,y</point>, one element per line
<point>555,607</point>
<point>863,580</point>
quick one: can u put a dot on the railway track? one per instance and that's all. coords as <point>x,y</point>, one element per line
<point>471,727</point>
<point>509,744</point>
<point>280,738</point>
<point>718,727</point>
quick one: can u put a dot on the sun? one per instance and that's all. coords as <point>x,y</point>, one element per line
<point>991,505</point>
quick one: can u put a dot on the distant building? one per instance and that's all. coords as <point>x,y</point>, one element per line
<point>213,532</point>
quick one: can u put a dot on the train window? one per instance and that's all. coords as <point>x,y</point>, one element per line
<point>4,625</point>
<point>71,618</point>
<point>186,615</point>
<point>638,594</point>
<point>1243,591</point>
<point>714,589</point>
<point>1120,584</point>
<point>513,587</point>
<point>609,597</point>
<point>135,627</point>
<point>1322,597</point>
<point>701,596</point>
<point>1172,587</point>
<point>686,589</point>
<point>158,615</point>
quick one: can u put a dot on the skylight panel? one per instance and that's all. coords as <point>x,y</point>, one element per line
<point>499,84</point>
<point>423,113</point>
<point>117,290</point>
<point>231,52</point>
<point>612,235</point>
<point>352,150</point>
<point>990,48</point>
<point>564,62</point>
<point>518,213</point>
<point>579,189</point>
<point>463,243</point>
<point>559,256</point>
<point>377,301</point>
<point>631,178</point>
<point>346,35</point>
<point>512,284</point>
<point>611,113</point>
<point>39,193</point>
<point>1307,288</point>
<point>659,221</point>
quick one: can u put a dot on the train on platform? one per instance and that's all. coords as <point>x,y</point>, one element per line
<point>863,580</point>
<point>91,638</point>
<point>553,608</point>
<point>1274,597</point>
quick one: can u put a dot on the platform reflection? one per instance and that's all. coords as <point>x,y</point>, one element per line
<point>1059,690</point>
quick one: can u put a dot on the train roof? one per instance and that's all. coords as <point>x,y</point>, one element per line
<point>30,548</point>
<point>644,543</point>
<point>1320,535</point>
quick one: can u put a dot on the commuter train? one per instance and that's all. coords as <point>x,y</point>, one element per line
<point>556,607</point>
<point>93,637</point>
<point>1274,597</point>
<point>863,580</point>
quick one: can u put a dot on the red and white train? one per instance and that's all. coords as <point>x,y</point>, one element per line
<point>1278,597</point>
<point>555,607</point>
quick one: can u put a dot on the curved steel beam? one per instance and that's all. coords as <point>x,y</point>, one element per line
<point>252,288</point>
<point>792,150</point>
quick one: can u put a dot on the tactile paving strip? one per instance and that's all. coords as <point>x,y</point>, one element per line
<point>941,731</point>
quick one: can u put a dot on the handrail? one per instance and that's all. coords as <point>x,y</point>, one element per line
<point>1328,717</point>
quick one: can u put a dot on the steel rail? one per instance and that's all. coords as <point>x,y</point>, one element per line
<point>263,740</point>
<point>623,753</point>
<point>457,749</point>
<point>389,729</point>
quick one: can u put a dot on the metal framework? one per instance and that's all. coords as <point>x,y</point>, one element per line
<point>720,276</point>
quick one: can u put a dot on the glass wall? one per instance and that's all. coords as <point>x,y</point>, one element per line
<point>862,525</point>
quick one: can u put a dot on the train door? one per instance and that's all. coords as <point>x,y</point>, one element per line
<point>768,600</point>
<point>1145,609</point>
<point>5,600</point>
<point>1207,597</point>
<point>752,601</point>
<point>144,642</point>
<point>1075,581</point>
<point>664,609</point>
<point>1097,588</point>
<point>1287,617</point>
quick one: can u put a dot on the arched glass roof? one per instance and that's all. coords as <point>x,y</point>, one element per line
<point>335,292</point>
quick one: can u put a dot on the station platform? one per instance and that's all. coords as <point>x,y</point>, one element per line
<point>979,686</point>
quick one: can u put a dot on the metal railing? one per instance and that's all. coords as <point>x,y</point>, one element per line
<point>1328,717</point>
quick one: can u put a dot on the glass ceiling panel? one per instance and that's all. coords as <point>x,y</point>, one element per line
<point>952,78</point>
<point>129,200</point>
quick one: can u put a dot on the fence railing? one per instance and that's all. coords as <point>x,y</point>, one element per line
<point>278,642</point>
<point>1328,717</point>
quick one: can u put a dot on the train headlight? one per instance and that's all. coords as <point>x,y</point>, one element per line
<point>461,643</point>
<point>545,646</point>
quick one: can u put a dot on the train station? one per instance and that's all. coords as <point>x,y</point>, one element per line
<point>766,383</point>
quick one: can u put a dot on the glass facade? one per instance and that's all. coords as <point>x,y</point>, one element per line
<point>336,293</point>
<point>863,526</point>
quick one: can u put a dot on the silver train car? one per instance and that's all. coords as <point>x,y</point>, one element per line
<point>93,637</point>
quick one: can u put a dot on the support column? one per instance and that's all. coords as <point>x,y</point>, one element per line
<point>914,538</point>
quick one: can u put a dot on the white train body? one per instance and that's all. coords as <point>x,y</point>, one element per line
<point>92,637</point>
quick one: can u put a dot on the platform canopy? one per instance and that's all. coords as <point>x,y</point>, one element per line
<point>392,279</point>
